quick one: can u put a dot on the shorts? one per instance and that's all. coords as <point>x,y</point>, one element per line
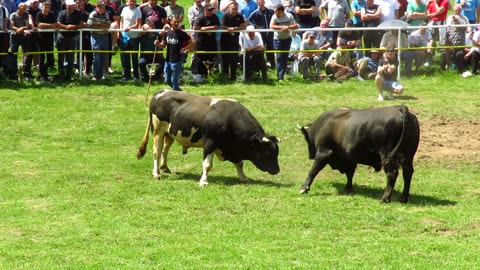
<point>390,85</point>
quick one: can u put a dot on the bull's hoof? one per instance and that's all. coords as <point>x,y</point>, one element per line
<point>165,169</point>
<point>349,190</point>
<point>244,181</point>
<point>203,183</point>
<point>385,200</point>
<point>304,190</point>
<point>403,199</point>
<point>156,175</point>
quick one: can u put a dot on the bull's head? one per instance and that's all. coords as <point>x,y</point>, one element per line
<point>266,149</point>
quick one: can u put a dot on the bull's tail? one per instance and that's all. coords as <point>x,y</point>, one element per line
<point>404,111</point>
<point>143,147</point>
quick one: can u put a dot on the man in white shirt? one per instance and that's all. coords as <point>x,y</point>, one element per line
<point>254,52</point>
<point>131,18</point>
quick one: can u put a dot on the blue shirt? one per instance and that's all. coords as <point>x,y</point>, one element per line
<point>470,9</point>
<point>247,8</point>
<point>357,6</point>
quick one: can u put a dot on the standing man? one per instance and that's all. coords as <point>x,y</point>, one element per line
<point>304,10</point>
<point>100,40</point>
<point>247,7</point>
<point>260,19</point>
<point>337,12</point>
<point>22,26</point>
<point>175,10</point>
<point>45,20</point>
<point>205,40</point>
<point>4,39</point>
<point>371,13</point>
<point>282,22</point>
<point>173,40</point>
<point>131,19</point>
<point>68,19</point>
<point>389,10</point>
<point>232,21</point>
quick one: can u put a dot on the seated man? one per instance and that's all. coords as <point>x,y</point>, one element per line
<point>455,37</point>
<point>325,39</point>
<point>386,78</point>
<point>308,58</point>
<point>366,68</point>
<point>254,49</point>
<point>390,39</point>
<point>338,65</point>
<point>421,38</point>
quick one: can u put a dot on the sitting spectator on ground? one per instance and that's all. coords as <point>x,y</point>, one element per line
<point>293,55</point>
<point>338,65</point>
<point>366,68</point>
<point>252,44</point>
<point>309,55</point>
<point>421,38</point>
<point>474,52</point>
<point>386,78</point>
<point>390,39</point>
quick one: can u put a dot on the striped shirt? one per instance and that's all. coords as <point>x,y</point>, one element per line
<point>94,17</point>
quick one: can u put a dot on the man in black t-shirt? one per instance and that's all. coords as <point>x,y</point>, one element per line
<point>45,20</point>
<point>386,78</point>
<point>231,21</point>
<point>205,41</point>
<point>174,40</point>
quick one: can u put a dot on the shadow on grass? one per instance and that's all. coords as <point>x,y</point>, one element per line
<point>226,180</point>
<point>376,193</point>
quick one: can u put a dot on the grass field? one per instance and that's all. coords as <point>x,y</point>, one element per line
<point>73,195</point>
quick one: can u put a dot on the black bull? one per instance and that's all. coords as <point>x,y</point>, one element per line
<point>386,137</point>
<point>222,127</point>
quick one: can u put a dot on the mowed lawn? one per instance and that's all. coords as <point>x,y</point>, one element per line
<point>74,196</point>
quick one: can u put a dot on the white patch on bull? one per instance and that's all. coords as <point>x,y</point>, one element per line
<point>158,95</point>
<point>215,100</point>
<point>186,142</point>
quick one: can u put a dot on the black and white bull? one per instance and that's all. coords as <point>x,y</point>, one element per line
<point>385,137</point>
<point>223,127</point>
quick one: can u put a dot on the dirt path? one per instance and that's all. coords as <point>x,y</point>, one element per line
<point>445,138</point>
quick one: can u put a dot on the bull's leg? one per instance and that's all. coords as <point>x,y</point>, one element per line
<point>241,175</point>
<point>168,141</point>
<point>407,169</point>
<point>349,173</point>
<point>318,164</point>
<point>207,165</point>
<point>392,174</point>
<point>157,150</point>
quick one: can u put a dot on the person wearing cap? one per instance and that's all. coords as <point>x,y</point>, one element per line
<point>99,19</point>
<point>21,24</point>
<point>309,55</point>
<point>205,41</point>
<point>45,20</point>
<point>252,44</point>
<point>69,20</point>
<point>386,78</point>
<point>283,22</point>
<point>174,41</point>
<point>338,65</point>
<point>366,68</point>
<point>232,21</point>
<point>353,38</point>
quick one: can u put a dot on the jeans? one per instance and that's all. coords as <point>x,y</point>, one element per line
<point>99,43</point>
<point>172,72</point>
<point>282,58</point>
<point>66,44</point>
<point>26,42</point>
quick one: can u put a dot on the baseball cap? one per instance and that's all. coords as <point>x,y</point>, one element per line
<point>343,41</point>
<point>311,34</point>
<point>100,3</point>
<point>209,7</point>
<point>70,2</point>
<point>250,28</point>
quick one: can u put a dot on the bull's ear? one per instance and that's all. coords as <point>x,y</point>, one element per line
<point>270,139</point>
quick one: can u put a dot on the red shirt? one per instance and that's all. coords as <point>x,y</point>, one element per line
<point>431,8</point>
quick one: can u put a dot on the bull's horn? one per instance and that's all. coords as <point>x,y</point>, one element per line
<point>265,139</point>
<point>299,127</point>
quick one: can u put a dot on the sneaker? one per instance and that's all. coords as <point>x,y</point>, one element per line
<point>426,64</point>
<point>380,97</point>
<point>87,75</point>
<point>390,95</point>
<point>110,70</point>
<point>124,79</point>
<point>360,78</point>
<point>94,79</point>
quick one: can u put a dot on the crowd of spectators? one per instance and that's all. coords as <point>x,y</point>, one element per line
<point>302,42</point>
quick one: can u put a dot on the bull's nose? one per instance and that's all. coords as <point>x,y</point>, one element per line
<point>273,172</point>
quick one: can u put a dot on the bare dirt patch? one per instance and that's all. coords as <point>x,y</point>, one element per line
<point>445,138</point>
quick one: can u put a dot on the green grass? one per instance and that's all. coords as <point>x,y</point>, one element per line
<point>73,195</point>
